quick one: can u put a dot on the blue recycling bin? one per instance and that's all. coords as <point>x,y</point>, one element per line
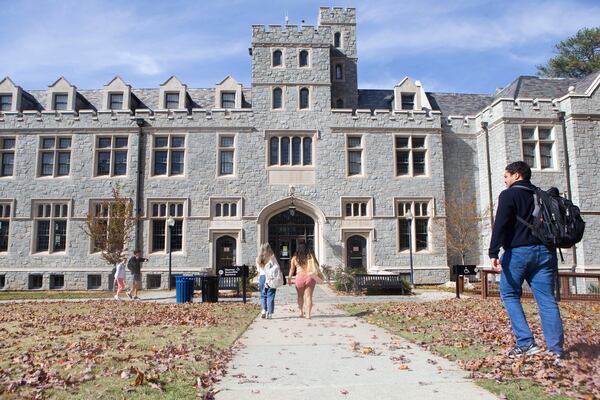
<point>184,289</point>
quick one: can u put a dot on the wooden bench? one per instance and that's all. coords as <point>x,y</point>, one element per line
<point>381,282</point>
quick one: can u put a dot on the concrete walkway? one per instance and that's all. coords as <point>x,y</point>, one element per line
<point>336,356</point>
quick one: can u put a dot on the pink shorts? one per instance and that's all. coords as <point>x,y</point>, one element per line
<point>120,284</point>
<point>304,281</point>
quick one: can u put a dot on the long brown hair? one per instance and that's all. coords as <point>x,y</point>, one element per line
<point>265,254</point>
<point>302,254</point>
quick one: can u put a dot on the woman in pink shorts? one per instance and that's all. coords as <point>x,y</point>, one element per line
<point>305,283</point>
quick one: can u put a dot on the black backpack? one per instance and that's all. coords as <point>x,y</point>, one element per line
<point>555,221</point>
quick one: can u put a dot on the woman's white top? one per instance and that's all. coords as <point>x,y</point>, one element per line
<point>262,270</point>
<point>120,272</point>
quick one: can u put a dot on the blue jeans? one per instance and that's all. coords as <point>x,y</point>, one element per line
<point>267,295</point>
<point>538,266</point>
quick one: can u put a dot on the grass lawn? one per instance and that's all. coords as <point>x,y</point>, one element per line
<point>476,334</point>
<point>55,294</point>
<point>115,350</point>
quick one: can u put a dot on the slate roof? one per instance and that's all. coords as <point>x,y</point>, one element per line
<point>585,83</point>
<point>375,99</point>
<point>534,87</point>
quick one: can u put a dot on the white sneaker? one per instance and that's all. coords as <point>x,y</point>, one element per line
<point>116,297</point>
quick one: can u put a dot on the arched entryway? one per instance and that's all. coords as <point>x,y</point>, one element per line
<point>356,252</point>
<point>286,231</point>
<point>226,247</point>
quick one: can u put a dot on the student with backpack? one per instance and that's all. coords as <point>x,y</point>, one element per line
<point>528,258</point>
<point>269,279</point>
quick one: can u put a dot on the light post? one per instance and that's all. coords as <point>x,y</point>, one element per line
<point>170,224</point>
<point>409,217</point>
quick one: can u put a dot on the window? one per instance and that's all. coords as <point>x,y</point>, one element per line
<point>105,212</point>
<point>415,230</point>
<point>5,102</point>
<point>50,227</point>
<point>2,281</point>
<point>355,209</point>
<point>339,103</point>
<point>172,101</point>
<point>408,101</point>
<point>57,281</point>
<point>339,72</point>
<point>4,226</point>
<point>7,156</point>
<point>226,209</point>
<point>303,58</point>
<point>55,156</point>
<point>226,155</point>
<point>36,281</point>
<point>304,99</point>
<point>94,281</point>
<point>279,150</point>
<point>60,101</point>
<point>277,99</point>
<point>168,155</point>
<point>337,40</point>
<point>538,147</point>
<point>411,156</point>
<point>160,213</point>
<point>153,281</point>
<point>116,101</point>
<point>228,100</point>
<point>277,58</point>
<point>355,151</point>
<point>111,155</point>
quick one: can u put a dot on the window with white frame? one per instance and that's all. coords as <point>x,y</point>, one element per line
<point>304,99</point>
<point>7,156</point>
<point>61,101</point>
<point>538,146</point>
<point>50,221</point>
<point>168,155</point>
<point>411,155</point>
<point>277,100</point>
<point>172,101</point>
<point>354,148</point>
<point>303,58</point>
<point>413,230</point>
<point>227,99</point>
<point>5,102</point>
<point>5,209</point>
<point>160,213</point>
<point>407,101</point>
<point>277,60</point>
<point>116,101</point>
<point>282,147</point>
<point>354,209</point>
<point>111,155</point>
<point>226,157</point>
<point>104,212</point>
<point>54,156</point>
<point>226,209</point>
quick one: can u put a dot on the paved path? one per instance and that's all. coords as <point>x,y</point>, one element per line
<point>336,356</point>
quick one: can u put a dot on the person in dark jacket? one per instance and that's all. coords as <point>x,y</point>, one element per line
<point>525,258</point>
<point>134,265</point>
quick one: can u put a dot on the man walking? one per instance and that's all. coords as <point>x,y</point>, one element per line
<point>135,266</point>
<point>525,258</point>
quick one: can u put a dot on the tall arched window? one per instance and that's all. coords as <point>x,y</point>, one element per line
<point>277,55</point>
<point>304,99</point>
<point>307,151</point>
<point>337,39</point>
<point>339,103</point>
<point>296,150</point>
<point>339,72</point>
<point>285,151</point>
<point>277,95</point>
<point>303,58</point>
<point>274,150</point>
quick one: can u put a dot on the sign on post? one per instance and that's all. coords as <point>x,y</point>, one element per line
<point>462,270</point>
<point>236,271</point>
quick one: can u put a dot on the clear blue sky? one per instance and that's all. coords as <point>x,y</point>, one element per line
<point>471,46</point>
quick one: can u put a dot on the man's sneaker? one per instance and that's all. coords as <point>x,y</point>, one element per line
<point>129,295</point>
<point>136,298</point>
<point>558,359</point>
<point>518,352</point>
<point>263,314</point>
<point>116,297</point>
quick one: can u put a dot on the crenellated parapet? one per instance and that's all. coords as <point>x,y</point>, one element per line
<point>337,15</point>
<point>290,35</point>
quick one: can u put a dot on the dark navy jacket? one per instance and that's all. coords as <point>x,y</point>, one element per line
<point>508,232</point>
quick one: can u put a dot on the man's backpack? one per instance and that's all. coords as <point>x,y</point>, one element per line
<point>555,220</point>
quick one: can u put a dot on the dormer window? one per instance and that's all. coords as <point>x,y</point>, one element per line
<point>337,40</point>
<point>60,101</point>
<point>277,58</point>
<point>116,101</point>
<point>408,101</point>
<point>228,100</point>
<point>303,58</point>
<point>172,101</point>
<point>5,102</point>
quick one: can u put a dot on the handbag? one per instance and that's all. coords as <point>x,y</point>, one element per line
<point>314,269</point>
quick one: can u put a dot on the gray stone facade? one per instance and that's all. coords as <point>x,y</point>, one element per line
<point>455,147</point>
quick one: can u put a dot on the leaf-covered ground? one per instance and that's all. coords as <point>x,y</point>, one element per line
<point>108,349</point>
<point>54,294</point>
<point>476,333</point>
